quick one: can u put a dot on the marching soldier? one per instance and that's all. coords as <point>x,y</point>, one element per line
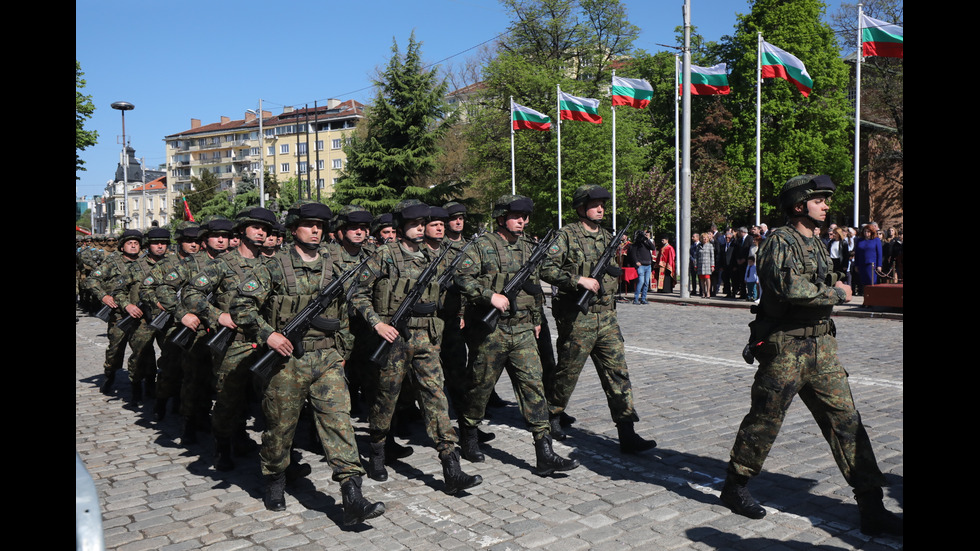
<point>569,266</point>
<point>222,277</point>
<point>385,282</point>
<point>269,298</point>
<point>794,340</point>
<point>492,260</point>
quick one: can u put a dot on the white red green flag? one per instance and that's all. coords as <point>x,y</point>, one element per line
<point>633,92</point>
<point>574,108</point>
<point>187,211</point>
<point>778,63</point>
<point>525,118</point>
<point>881,39</point>
<point>708,81</point>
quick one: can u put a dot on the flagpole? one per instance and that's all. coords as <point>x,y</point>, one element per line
<point>613,159</point>
<point>513,177</point>
<point>558,106</point>
<point>683,264</point>
<point>677,146</point>
<point>857,116</point>
<point>758,130</point>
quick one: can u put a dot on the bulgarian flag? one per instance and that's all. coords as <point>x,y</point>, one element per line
<point>529,119</point>
<point>187,211</point>
<point>708,81</point>
<point>574,108</point>
<point>631,91</point>
<point>778,63</point>
<point>881,39</point>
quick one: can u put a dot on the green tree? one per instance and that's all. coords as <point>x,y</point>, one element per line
<point>203,189</point>
<point>396,148</point>
<point>83,111</point>
<point>799,134</point>
<point>85,220</point>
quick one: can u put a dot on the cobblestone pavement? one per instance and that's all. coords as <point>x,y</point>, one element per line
<point>691,390</point>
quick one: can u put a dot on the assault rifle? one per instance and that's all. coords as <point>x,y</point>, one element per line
<point>129,323</point>
<point>408,307</point>
<point>104,313</point>
<point>520,280</point>
<point>602,268</point>
<point>446,279</point>
<point>310,315</point>
<point>182,338</point>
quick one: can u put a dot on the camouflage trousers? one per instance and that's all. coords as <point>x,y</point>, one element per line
<point>142,363</point>
<point>515,349</point>
<point>808,367</point>
<point>116,349</point>
<point>196,375</point>
<point>417,361</point>
<point>595,335</point>
<point>318,377</point>
<point>453,357</point>
<point>231,384</point>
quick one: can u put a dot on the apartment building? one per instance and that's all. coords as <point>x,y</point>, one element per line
<point>305,143</point>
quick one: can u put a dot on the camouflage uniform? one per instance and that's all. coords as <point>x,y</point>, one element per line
<point>388,276</point>
<point>486,267</point>
<point>580,336</point>
<point>269,297</point>
<point>103,282</point>
<point>223,276</point>
<point>799,356</point>
<point>453,354</point>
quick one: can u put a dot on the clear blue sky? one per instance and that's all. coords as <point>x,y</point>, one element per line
<point>180,60</point>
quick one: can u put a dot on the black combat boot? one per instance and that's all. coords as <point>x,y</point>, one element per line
<point>454,476</point>
<point>394,450</point>
<point>106,387</point>
<point>222,455</point>
<point>189,435</point>
<point>376,464</point>
<point>630,442</point>
<point>566,419</point>
<point>160,409</point>
<point>470,443</point>
<point>735,494</point>
<point>875,519</point>
<point>557,432</point>
<point>274,498</point>
<point>548,461</point>
<point>136,394</point>
<point>356,508</point>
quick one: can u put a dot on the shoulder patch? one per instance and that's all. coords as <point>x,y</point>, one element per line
<point>250,286</point>
<point>148,280</point>
<point>467,262</point>
<point>171,276</point>
<point>554,248</point>
<point>97,273</point>
<point>201,281</point>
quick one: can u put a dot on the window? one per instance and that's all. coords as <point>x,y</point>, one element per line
<point>301,148</point>
<point>336,143</point>
<point>284,167</point>
<point>301,166</point>
<point>255,151</point>
<point>272,150</point>
<point>320,183</point>
<point>319,145</point>
<point>338,163</point>
<point>319,164</point>
<point>284,148</point>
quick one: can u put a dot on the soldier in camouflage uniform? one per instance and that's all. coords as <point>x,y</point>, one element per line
<point>353,224</point>
<point>453,344</point>
<point>568,267</point>
<point>270,296</point>
<point>196,364</point>
<point>386,280</point>
<point>102,285</point>
<point>383,229</point>
<point>222,277</point>
<point>794,340</point>
<point>480,277</point>
<point>169,376</point>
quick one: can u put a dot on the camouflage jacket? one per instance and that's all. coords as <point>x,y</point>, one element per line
<point>486,267</point>
<point>221,276</point>
<point>572,256</point>
<point>388,276</point>
<point>796,278</point>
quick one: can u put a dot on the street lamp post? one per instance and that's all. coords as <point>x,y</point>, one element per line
<point>261,156</point>
<point>124,106</point>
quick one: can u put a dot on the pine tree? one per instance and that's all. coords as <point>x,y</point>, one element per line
<point>396,147</point>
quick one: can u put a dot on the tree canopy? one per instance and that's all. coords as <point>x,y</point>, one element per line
<point>83,111</point>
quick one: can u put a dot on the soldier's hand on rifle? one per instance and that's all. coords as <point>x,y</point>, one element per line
<point>386,331</point>
<point>537,331</point>
<point>588,284</point>
<point>134,311</point>
<point>225,319</point>
<point>191,321</point>
<point>279,343</point>
<point>847,289</point>
<point>109,301</point>
<point>500,302</point>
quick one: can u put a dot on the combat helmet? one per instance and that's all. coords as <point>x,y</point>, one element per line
<point>512,203</point>
<point>129,235</point>
<point>353,215</point>
<point>453,208</point>
<point>588,192</point>
<point>803,188</point>
<point>254,215</point>
<point>307,210</point>
<point>409,209</point>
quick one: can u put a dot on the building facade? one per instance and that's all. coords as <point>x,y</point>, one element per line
<point>302,143</point>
